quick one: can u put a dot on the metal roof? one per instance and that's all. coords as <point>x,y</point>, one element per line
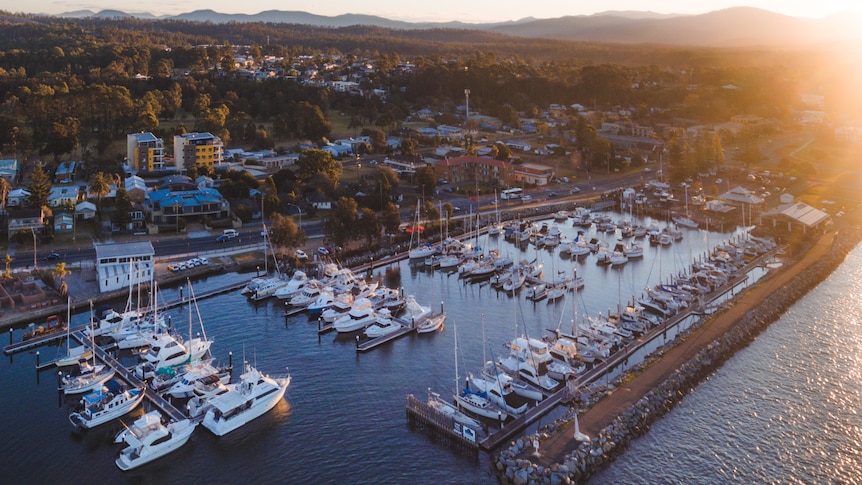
<point>115,250</point>
<point>802,213</point>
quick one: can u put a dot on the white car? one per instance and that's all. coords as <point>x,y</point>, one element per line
<point>526,198</point>
<point>300,254</point>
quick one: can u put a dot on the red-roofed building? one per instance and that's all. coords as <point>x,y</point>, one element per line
<point>475,169</point>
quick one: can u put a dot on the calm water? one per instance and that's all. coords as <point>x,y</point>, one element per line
<point>783,410</point>
<point>343,419</point>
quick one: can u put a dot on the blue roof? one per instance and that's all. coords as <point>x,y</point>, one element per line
<point>186,198</point>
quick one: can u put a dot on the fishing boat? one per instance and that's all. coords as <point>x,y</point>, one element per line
<point>197,372</point>
<point>149,438</point>
<point>111,401</point>
<point>293,286</point>
<point>431,324</point>
<point>255,394</point>
<point>360,316</point>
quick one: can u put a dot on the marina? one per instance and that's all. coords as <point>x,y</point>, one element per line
<point>462,297</point>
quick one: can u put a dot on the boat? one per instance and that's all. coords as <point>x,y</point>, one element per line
<point>431,324</point>
<point>90,375</point>
<point>518,385</point>
<point>52,325</point>
<point>75,354</point>
<point>324,301</point>
<point>293,286</point>
<point>169,351</point>
<point>255,394</point>
<point>305,297</point>
<point>451,411</point>
<point>500,392</point>
<point>561,216</point>
<point>111,401</point>
<point>149,438</point>
<point>360,316</point>
<point>340,306</point>
<point>414,312</point>
<point>475,402</point>
<point>267,288</point>
<point>383,325</point>
<point>198,372</point>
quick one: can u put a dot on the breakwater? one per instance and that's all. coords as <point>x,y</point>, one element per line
<point>516,464</point>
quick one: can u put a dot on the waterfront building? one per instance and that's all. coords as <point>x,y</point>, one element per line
<point>533,174</point>
<point>179,197</point>
<point>197,149</point>
<point>475,169</point>
<point>145,152</point>
<point>119,265</point>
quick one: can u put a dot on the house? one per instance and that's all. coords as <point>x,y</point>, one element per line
<point>65,173</point>
<point>63,196</point>
<point>124,265</point>
<point>319,200</point>
<point>85,211</point>
<point>9,170</point>
<point>63,223</point>
<point>136,188</point>
<point>740,196</point>
<point>167,206</point>
<point>17,197</point>
<point>27,220</point>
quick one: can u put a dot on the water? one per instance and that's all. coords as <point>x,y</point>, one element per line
<point>783,410</point>
<point>343,418</point>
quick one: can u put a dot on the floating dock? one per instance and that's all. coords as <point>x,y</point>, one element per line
<point>446,426</point>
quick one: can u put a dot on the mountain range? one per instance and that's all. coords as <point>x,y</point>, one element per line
<point>732,27</point>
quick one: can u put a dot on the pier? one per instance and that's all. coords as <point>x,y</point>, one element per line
<point>518,424</point>
<point>446,426</point>
<point>155,399</point>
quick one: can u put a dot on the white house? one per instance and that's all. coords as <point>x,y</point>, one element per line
<point>16,197</point>
<point>65,196</point>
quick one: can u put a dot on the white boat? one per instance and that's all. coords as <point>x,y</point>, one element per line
<point>516,282</point>
<point>360,316</point>
<point>267,288</point>
<point>561,216</point>
<point>414,312</point>
<point>293,286</point>
<point>305,297</point>
<point>93,378</point>
<point>383,325</point>
<point>472,401</point>
<point>518,385</point>
<point>340,306</point>
<point>198,372</point>
<point>450,261</point>
<point>148,438</point>
<point>431,324</point>
<point>169,351</point>
<point>555,292</point>
<point>451,411</point>
<point>111,401</point>
<point>685,222</point>
<point>422,252</point>
<point>500,392</point>
<point>255,394</point>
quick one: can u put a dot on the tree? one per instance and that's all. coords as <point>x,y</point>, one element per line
<point>502,152</point>
<point>4,192</point>
<point>8,260</point>
<point>449,209</point>
<point>431,212</point>
<point>100,185</point>
<point>284,233</point>
<point>390,218</point>
<point>312,161</point>
<point>122,207</point>
<point>39,188</point>
<point>369,226</point>
<point>426,180</point>
<point>341,225</point>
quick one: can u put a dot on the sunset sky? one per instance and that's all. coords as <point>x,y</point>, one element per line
<point>475,11</point>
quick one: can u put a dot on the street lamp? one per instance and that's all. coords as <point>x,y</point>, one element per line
<point>298,209</point>
<point>34,248</point>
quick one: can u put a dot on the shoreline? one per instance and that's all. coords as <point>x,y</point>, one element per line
<point>654,390</point>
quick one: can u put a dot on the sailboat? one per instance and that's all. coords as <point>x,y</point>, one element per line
<point>497,227</point>
<point>73,354</point>
<point>421,251</point>
<point>472,401</point>
<point>92,376</point>
<point>685,221</point>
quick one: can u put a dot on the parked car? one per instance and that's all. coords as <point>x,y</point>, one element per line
<point>551,195</point>
<point>322,251</point>
<point>223,238</point>
<point>300,254</point>
<point>526,198</point>
<point>52,256</point>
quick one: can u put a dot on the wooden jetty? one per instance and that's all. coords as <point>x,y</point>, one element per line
<point>420,412</point>
<point>14,348</point>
